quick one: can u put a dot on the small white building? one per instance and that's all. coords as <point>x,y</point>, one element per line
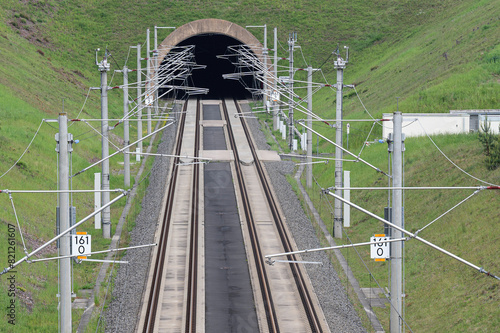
<point>478,117</point>
<point>493,120</point>
<point>457,121</point>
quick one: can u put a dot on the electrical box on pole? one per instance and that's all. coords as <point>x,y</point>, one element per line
<point>388,217</point>
<point>72,221</point>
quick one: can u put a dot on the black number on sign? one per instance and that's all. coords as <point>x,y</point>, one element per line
<point>81,240</point>
<point>380,252</point>
<point>81,249</point>
<point>380,244</point>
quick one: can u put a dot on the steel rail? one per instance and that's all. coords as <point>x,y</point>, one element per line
<point>154,292</point>
<point>297,272</point>
<point>191,295</point>
<point>265,288</point>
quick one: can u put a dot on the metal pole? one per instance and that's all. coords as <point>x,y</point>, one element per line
<point>106,214</point>
<point>265,85</point>
<point>126,135</point>
<point>156,74</point>
<point>339,66</point>
<point>156,37</point>
<point>149,97</point>
<point>397,219</point>
<point>291,44</point>
<point>64,264</point>
<point>155,52</point>
<point>266,88</point>
<point>309,123</point>
<point>157,66</point>
<point>139,100</point>
<point>276,105</point>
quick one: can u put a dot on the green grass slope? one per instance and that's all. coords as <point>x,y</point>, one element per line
<point>434,56</point>
<point>442,294</point>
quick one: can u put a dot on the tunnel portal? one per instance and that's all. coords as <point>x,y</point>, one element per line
<point>211,37</point>
<point>207,48</point>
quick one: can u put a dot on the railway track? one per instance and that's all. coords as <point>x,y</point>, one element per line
<point>193,239</point>
<point>150,320</point>
<point>298,274</point>
<point>156,276</point>
<point>265,287</point>
<point>176,257</point>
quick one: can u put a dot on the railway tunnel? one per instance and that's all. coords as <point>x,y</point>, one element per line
<point>211,38</point>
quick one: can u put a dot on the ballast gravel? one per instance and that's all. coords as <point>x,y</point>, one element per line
<point>123,313</point>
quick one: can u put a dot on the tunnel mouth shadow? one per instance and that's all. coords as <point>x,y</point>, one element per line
<point>207,47</point>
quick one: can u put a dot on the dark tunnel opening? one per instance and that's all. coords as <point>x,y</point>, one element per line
<point>207,48</point>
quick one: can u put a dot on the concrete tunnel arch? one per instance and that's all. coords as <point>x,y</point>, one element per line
<point>221,31</point>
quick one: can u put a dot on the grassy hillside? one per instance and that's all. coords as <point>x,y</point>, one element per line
<point>435,56</point>
<point>442,295</point>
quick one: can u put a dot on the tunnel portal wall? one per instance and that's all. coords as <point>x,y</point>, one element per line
<point>210,26</point>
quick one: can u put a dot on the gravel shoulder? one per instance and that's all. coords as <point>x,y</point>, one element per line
<point>123,312</point>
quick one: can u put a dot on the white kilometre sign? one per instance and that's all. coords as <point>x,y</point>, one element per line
<point>81,244</point>
<point>380,250</point>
